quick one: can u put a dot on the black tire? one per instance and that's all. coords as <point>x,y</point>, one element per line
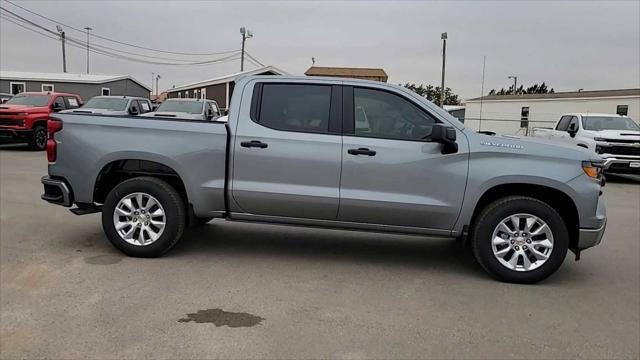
<point>493,214</point>
<point>39,138</point>
<point>174,213</point>
<point>201,221</point>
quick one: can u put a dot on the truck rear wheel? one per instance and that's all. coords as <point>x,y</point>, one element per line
<point>143,217</point>
<point>520,239</point>
<point>39,139</point>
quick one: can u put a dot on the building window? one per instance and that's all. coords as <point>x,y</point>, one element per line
<point>203,93</point>
<point>179,94</point>
<point>186,94</point>
<point>524,117</point>
<point>106,92</point>
<point>47,88</point>
<point>622,110</point>
<point>18,87</point>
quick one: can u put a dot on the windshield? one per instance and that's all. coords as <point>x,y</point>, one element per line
<point>597,123</point>
<point>32,100</point>
<point>106,103</point>
<point>190,107</point>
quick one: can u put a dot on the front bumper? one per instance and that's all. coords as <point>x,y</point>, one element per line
<point>590,237</point>
<point>9,134</point>
<point>57,191</point>
<point>621,164</point>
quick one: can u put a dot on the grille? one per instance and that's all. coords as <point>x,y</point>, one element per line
<point>11,122</point>
<point>622,141</point>
<point>620,150</point>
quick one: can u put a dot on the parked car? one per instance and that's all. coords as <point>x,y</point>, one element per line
<point>23,118</point>
<point>291,153</point>
<point>114,105</point>
<point>616,138</point>
<point>188,109</point>
<point>4,97</point>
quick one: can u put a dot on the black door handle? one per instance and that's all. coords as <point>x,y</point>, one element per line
<point>253,143</point>
<point>361,151</point>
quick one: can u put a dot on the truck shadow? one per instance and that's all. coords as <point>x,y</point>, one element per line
<point>622,179</point>
<point>274,241</point>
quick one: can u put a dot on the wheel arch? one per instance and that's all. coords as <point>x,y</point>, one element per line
<point>559,200</point>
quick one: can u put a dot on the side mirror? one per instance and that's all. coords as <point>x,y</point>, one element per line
<point>133,110</point>
<point>445,135</point>
<point>572,130</point>
<point>56,107</point>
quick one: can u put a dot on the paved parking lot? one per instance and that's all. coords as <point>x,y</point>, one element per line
<point>236,290</point>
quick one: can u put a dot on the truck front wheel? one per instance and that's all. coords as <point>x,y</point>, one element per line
<point>520,239</point>
<point>39,139</point>
<point>143,217</point>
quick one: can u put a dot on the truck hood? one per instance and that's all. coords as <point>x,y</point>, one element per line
<point>173,115</point>
<point>529,146</point>
<point>23,108</point>
<point>614,134</point>
<point>94,111</point>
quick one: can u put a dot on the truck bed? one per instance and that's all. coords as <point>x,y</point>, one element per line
<point>199,146</point>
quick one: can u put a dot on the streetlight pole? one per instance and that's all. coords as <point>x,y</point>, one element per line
<point>515,83</point>
<point>443,36</point>
<point>153,76</point>
<point>246,33</point>
<point>158,77</point>
<point>88,29</point>
<point>64,54</point>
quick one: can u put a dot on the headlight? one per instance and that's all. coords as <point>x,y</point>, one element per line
<point>592,168</point>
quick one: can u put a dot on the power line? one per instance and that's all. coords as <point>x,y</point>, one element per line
<point>81,45</point>
<point>254,60</point>
<point>116,41</point>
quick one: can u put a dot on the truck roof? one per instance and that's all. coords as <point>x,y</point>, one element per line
<point>593,114</point>
<point>46,93</point>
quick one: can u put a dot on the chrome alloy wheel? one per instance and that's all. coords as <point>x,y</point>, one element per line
<point>139,219</point>
<point>522,242</point>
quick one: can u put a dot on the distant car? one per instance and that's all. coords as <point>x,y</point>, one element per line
<point>4,97</point>
<point>114,105</point>
<point>188,109</point>
<point>23,118</point>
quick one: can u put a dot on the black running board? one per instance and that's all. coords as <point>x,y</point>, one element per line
<point>86,210</point>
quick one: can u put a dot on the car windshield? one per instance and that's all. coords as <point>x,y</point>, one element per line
<point>190,107</point>
<point>597,123</point>
<point>106,103</point>
<point>32,100</point>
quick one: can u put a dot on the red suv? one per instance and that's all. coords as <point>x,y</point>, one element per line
<point>24,117</point>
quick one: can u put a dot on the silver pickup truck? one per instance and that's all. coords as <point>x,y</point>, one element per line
<point>331,153</point>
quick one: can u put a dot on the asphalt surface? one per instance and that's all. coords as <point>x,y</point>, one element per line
<point>238,290</point>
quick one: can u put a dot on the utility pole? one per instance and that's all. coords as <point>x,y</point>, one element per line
<point>64,54</point>
<point>443,36</point>
<point>88,29</point>
<point>246,33</point>
<point>153,76</point>
<point>158,77</point>
<point>515,83</point>
<point>484,61</point>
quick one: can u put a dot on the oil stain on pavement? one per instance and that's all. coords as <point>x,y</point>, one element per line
<point>219,317</point>
<point>103,259</point>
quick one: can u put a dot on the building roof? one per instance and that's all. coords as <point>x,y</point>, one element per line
<point>227,78</point>
<point>65,77</point>
<point>563,95</point>
<point>345,71</point>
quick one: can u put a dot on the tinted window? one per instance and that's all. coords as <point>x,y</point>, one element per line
<point>563,124</point>
<point>33,100</point>
<point>115,104</point>
<point>385,115</point>
<point>58,103</point>
<point>185,106</point>
<point>295,107</point>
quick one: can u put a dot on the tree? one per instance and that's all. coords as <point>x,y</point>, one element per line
<point>432,93</point>
<point>533,89</point>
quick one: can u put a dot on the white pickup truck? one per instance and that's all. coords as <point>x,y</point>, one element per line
<point>615,138</point>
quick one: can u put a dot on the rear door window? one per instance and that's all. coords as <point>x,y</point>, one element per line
<point>293,107</point>
<point>71,102</point>
<point>144,106</point>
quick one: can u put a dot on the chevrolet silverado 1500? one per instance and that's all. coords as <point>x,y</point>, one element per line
<point>332,153</point>
<point>615,138</point>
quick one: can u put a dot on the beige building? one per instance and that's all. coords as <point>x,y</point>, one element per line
<point>514,114</point>
<point>349,72</point>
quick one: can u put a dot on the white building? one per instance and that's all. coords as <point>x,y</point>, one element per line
<point>517,114</point>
